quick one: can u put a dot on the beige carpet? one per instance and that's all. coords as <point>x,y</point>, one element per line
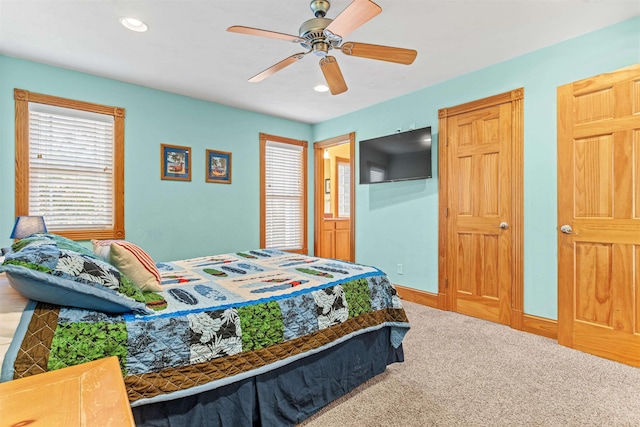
<point>462,371</point>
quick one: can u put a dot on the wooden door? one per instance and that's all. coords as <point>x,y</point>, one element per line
<point>483,212</point>
<point>599,215</point>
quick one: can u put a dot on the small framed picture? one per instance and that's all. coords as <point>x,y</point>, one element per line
<point>218,167</point>
<point>327,186</point>
<point>175,162</point>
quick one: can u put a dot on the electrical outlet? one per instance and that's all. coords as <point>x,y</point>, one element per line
<point>400,269</point>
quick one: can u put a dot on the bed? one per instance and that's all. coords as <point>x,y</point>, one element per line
<point>256,337</point>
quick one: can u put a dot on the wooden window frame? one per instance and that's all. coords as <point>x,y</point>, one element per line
<point>22,98</point>
<point>263,200</point>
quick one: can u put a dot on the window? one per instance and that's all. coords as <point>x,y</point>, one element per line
<point>344,185</point>
<point>283,190</point>
<point>70,165</point>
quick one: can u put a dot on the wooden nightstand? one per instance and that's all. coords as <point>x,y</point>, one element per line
<point>90,394</point>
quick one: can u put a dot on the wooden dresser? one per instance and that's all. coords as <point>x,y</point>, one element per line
<point>90,394</point>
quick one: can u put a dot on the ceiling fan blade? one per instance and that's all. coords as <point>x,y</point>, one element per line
<point>264,33</point>
<point>356,14</point>
<point>277,67</point>
<point>382,53</point>
<point>333,75</point>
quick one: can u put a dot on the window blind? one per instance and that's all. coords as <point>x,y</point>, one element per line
<point>284,194</point>
<point>344,184</point>
<point>71,157</point>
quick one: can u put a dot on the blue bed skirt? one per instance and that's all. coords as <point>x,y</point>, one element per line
<point>284,396</point>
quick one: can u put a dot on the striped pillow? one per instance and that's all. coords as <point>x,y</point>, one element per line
<point>132,261</point>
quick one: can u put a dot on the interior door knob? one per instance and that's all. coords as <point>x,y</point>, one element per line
<point>503,225</point>
<point>566,229</point>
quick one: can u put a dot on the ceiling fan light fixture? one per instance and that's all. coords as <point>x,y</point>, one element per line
<point>320,49</point>
<point>134,24</point>
<point>321,88</point>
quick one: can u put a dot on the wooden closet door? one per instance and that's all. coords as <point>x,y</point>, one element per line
<point>599,215</point>
<point>480,208</point>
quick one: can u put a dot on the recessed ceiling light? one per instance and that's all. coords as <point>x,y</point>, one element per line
<point>134,24</point>
<point>320,88</point>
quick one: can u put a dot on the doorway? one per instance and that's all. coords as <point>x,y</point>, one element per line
<point>480,176</point>
<point>334,161</point>
<point>599,215</point>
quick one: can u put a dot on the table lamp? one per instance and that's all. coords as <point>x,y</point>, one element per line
<point>25,226</point>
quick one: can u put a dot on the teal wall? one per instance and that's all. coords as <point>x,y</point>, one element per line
<point>396,223</point>
<point>170,219</point>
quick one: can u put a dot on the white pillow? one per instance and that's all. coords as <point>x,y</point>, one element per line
<point>132,261</point>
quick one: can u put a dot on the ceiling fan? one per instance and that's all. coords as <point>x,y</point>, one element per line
<point>320,35</point>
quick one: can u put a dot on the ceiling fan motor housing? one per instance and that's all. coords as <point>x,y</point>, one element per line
<point>312,31</point>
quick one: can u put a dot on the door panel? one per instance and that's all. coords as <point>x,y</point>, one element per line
<point>598,182</point>
<point>343,239</point>
<point>328,240</point>
<point>490,286</point>
<point>593,288</point>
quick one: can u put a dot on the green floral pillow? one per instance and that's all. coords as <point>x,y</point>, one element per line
<point>50,269</point>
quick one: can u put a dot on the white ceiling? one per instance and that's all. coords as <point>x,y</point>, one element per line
<point>188,51</point>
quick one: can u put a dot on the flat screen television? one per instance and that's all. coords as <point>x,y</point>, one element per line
<point>401,156</point>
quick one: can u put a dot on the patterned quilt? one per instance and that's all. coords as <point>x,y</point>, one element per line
<point>219,319</point>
